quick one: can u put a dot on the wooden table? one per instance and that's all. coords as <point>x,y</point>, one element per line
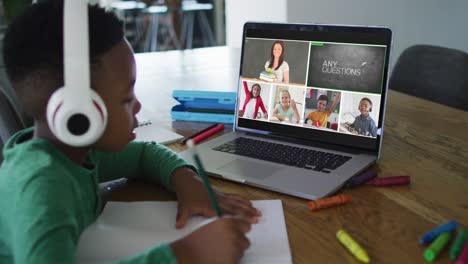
<point>422,139</point>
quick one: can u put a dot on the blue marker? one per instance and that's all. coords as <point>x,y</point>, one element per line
<point>431,235</point>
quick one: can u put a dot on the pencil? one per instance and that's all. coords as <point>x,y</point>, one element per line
<point>198,133</point>
<point>202,174</point>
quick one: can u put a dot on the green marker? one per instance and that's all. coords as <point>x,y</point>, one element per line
<point>436,247</point>
<point>457,246</point>
<point>202,174</point>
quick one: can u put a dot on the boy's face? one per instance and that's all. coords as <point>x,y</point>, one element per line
<point>114,80</point>
<point>321,105</point>
<point>364,107</point>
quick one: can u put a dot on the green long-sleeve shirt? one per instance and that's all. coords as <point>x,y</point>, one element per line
<point>46,200</point>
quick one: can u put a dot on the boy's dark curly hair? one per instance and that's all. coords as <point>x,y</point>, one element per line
<point>33,49</point>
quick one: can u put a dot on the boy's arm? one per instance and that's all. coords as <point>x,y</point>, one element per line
<point>46,221</point>
<point>354,122</point>
<point>334,104</point>
<point>160,254</point>
<point>147,160</point>
<point>373,128</point>
<point>49,220</point>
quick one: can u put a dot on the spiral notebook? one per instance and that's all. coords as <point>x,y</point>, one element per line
<point>147,131</point>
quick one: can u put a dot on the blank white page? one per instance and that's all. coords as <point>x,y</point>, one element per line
<point>128,228</point>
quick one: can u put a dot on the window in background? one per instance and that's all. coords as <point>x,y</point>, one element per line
<point>157,25</point>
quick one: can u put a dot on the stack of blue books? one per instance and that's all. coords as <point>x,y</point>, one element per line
<point>267,76</point>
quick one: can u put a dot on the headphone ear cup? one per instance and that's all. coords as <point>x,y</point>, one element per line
<point>76,124</point>
<point>53,106</point>
<point>101,109</point>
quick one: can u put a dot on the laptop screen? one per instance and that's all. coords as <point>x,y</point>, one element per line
<point>314,82</point>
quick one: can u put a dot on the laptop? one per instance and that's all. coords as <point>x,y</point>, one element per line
<point>310,108</point>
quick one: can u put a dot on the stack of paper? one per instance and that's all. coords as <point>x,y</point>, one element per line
<point>126,229</point>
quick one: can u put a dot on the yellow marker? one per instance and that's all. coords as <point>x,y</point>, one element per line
<point>352,246</point>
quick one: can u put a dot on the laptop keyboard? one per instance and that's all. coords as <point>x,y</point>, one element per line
<point>284,154</point>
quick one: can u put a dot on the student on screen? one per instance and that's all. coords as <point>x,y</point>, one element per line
<point>364,124</point>
<point>50,190</point>
<point>253,101</point>
<point>320,116</point>
<point>286,110</point>
<point>277,65</point>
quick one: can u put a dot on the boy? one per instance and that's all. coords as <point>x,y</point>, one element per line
<point>364,124</point>
<point>322,113</point>
<point>50,190</point>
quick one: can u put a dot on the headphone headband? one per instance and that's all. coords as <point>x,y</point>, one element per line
<point>75,113</point>
<point>76,46</point>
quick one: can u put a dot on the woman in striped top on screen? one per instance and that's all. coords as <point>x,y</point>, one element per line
<point>276,64</point>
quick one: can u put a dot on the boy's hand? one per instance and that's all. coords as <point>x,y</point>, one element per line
<point>221,241</point>
<point>197,202</point>
<point>338,97</point>
<point>193,200</point>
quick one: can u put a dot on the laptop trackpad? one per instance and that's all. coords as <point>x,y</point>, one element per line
<point>248,169</point>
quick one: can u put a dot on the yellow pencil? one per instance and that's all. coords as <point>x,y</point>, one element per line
<point>352,246</point>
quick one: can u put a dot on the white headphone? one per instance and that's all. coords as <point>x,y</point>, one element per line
<point>76,114</point>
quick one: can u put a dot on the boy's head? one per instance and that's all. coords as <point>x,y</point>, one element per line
<point>256,90</point>
<point>322,102</point>
<point>33,54</point>
<point>365,106</point>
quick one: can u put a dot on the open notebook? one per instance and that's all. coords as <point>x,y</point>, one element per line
<point>147,131</point>
<point>126,229</point>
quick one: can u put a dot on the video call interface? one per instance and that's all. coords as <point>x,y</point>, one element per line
<point>329,86</point>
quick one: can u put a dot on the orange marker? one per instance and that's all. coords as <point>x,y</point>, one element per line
<point>329,202</point>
